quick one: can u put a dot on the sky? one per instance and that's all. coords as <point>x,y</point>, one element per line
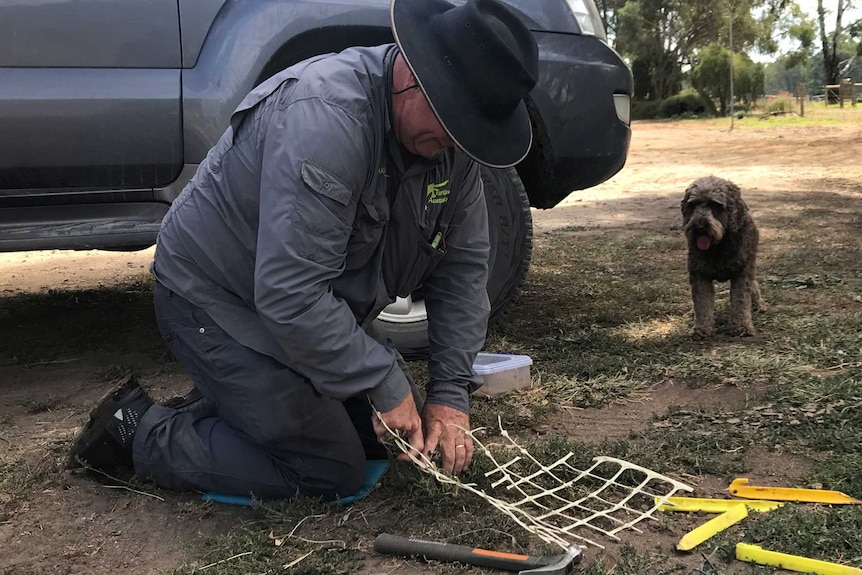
<point>810,8</point>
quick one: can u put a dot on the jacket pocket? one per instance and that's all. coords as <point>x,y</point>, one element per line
<point>326,211</point>
<point>404,274</point>
<point>324,183</point>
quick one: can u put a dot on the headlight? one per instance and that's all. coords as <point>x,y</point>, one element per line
<point>623,106</point>
<point>589,20</point>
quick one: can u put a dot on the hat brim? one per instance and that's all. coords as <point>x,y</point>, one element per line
<point>497,142</point>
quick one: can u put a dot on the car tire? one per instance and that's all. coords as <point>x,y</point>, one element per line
<point>511,235</point>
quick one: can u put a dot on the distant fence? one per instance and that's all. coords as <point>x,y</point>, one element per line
<point>846,90</point>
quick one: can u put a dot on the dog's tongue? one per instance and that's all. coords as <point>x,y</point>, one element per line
<point>703,243</point>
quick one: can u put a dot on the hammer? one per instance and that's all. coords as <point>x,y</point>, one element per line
<point>523,564</point>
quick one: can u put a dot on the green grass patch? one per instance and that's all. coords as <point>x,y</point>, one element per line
<point>822,415</point>
<point>819,532</point>
<point>690,445</point>
<point>734,365</point>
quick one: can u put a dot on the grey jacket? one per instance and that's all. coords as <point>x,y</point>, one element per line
<point>303,223</point>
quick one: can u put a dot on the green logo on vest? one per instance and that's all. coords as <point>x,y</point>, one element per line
<point>436,194</point>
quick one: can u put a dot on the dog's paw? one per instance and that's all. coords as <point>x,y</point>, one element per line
<point>702,332</point>
<point>743,330</point>
<point>761,306</point>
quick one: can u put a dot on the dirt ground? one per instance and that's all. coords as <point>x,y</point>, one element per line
<point>80,526</point>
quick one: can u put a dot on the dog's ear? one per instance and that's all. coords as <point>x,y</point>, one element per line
<point>688,191</point>
<point>734,194</point>
<point>736,208</point>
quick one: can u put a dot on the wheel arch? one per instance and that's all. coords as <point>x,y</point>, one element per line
<point>536,170</point>
<point>322,41</point>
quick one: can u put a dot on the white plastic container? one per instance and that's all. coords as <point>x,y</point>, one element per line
<point>502,372</point>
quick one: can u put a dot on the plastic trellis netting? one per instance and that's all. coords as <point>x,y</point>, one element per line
<point>555,500</point>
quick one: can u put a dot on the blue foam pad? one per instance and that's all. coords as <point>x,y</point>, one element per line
<point>374,471</point>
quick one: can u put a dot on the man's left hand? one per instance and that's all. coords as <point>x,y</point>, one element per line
<point>444,427</point>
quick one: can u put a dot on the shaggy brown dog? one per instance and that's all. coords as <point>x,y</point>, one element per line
<point>722,245</point>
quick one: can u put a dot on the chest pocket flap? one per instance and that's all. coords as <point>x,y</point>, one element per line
<point>324,183</point>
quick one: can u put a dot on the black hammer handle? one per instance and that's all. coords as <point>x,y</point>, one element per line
<point>395,545</point>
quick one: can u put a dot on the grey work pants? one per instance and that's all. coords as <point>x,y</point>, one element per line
<point>268,433</point>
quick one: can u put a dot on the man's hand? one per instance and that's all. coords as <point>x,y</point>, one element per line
<point>444,426</point>
<point>402,417</point>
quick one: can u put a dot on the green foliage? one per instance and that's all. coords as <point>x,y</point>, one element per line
<point>841,472</point>
<point>780,105</point>
<point>819,532</point>
<point>788,71</point>
<point>748,78</point>
<point>687,103</point>
<point>661,37</point>
<point>646,109</point>
<point>712,72</point>
<point>711,76</point>
<point>799,29</point>
<point>642,79</point>
<point>631,562</point>
<point>645,29</point>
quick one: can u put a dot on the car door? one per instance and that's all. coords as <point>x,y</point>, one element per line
<point>89,94</point>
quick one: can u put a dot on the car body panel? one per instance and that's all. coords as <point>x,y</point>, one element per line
<point>229,65</point>
<point>70,128</point>
<point>89,94</point>
<point>196,19</point>
<point>589,142</point>
<point>89,34</point>
<point>128,126</point>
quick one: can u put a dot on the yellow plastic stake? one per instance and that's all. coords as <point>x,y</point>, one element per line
<point>761,556</point>
<point>740,488</point>
<point>713,505</point>
<point>715,525</point>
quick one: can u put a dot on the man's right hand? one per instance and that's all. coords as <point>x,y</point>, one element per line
<point>403,417</point>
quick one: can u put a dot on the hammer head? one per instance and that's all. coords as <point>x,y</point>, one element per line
<point>562,564</point>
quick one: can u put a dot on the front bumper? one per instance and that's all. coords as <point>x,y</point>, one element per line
<point>579,139</point>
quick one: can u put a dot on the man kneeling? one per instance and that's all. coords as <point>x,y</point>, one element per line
<point>342,182</point>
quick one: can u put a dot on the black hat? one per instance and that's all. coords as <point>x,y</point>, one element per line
<point>475,63</point>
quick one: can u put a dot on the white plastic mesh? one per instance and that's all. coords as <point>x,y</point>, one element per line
<point>558,502</point>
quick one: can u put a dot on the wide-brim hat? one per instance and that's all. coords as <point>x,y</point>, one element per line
<point>475,63</point>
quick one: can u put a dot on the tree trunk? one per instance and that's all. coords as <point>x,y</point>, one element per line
<point>830,45</point>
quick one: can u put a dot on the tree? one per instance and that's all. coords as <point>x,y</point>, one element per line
<point>711,76</point>
<point>663,35</point>
<point>786,75</point>
<point>855,32</point>
<point>608,11</point>
<point>796,26</point>
<point>831,42</point>
<point>748,77</point>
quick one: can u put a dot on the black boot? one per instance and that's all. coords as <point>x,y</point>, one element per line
<point>192,402</point>
<point>105,443</point>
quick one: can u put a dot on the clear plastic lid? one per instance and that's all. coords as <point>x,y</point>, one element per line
<point>497,362</point>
